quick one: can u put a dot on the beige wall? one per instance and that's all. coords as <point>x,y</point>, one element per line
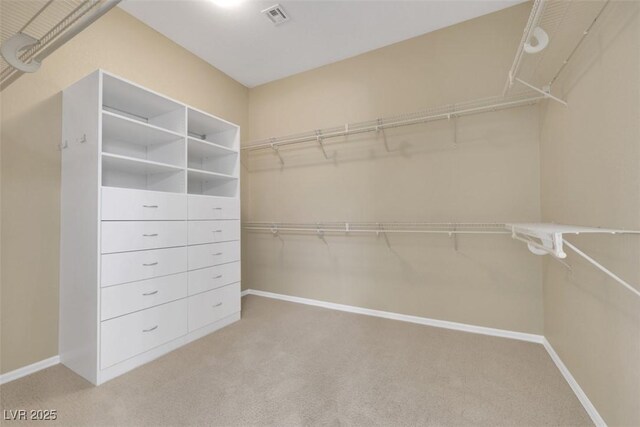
<point>590,163</point>
<point>490,174</point>
<point>31,129</point>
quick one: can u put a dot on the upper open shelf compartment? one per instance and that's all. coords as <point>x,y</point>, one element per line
<point>128,172</point>
<point>203,127</point>
<point>127,137</point>
<point>132,101</point>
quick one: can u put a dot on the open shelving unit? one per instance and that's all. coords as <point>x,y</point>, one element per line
<point>211,183</point>
<point>150,142</point>
<point>205,127</point>
<point>129,172</point>
<point>136,103</point>
<point>212,155</point>
<point>127,137</point>
<point>207,156</point>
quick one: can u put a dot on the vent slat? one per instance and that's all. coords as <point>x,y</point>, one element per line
<point>276,14</point>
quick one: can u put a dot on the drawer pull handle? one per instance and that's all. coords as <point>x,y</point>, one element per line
<point>219,253</point>
<point>216,231</point>
<point>217,209</point>
<point>150,293</point>
<point>150,235</point>
<point>218,304</point>
<point>219,276</point>
<point>150,329</point>
<point>150,264</point>
<point>149,206</point>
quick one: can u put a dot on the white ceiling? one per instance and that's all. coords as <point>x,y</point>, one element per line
<point>244,44</point>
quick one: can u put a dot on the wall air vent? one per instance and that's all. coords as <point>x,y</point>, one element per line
<point>276,14</point>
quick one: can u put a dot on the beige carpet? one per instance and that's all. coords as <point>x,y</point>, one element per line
<point>291,364</point>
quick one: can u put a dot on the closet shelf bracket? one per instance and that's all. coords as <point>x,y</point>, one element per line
<point>321,144</point>
<point>277,151</point>
<point>546,91</point>
<point>543,239</point>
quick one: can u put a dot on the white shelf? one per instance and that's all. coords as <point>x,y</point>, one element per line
<point>206,156</point>
<point>131,138</point>
<point>134,165</point>
<point>142,105</point>
<point>550,228</point>
<point>204,127</point>
<point>129,172</point>
<point>564,28</point>
<point>547,238</point>
<point>206,149</point>
<point>211,175</point>
<point>146,133</point>
<point>211,183</point>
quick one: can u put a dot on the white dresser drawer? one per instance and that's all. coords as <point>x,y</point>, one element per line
<point>121,236</point>
<point>124,299</point>
<point>135,333</point>
<point>206,279</point>
<point>208,207</point>
<point>208,255</point>
<point>132,266</point>
<point>213,231</point>
<point>127,204</point>
<point>214,305</point>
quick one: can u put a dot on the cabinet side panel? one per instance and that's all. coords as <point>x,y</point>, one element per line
<point>79,227</point>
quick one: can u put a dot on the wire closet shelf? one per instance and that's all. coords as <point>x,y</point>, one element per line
<point>443,112</point>
<point>379,227</point>
<point>541,238</point>
<point>32,30</point>
<point>534,70</point>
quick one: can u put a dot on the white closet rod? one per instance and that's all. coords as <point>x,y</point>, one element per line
<point>380,227</point>
<point>547,233</point>
<point>441,113</point>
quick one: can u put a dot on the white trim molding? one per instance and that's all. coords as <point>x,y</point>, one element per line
<point>29,369</point>
<point>580,394</point>
<point>522,336</point>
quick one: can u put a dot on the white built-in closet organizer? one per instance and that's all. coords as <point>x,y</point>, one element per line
<point>150,226</point>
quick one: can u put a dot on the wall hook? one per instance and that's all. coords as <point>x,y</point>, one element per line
<point>380,129</point>
<point>455,131</point>
<point>319,139</point>
<point>454,236</point>
<point>320,233</point>
<point>277,151</point>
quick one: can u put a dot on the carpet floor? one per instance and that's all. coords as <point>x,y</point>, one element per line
<point>290,364</point>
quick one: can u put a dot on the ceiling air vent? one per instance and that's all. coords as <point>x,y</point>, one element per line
<point>276,14</point>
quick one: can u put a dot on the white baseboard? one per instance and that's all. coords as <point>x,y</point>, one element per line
<point>245,292</point>
<point>29,369</point>
<point>580,394</point>
<point>403,317</point>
